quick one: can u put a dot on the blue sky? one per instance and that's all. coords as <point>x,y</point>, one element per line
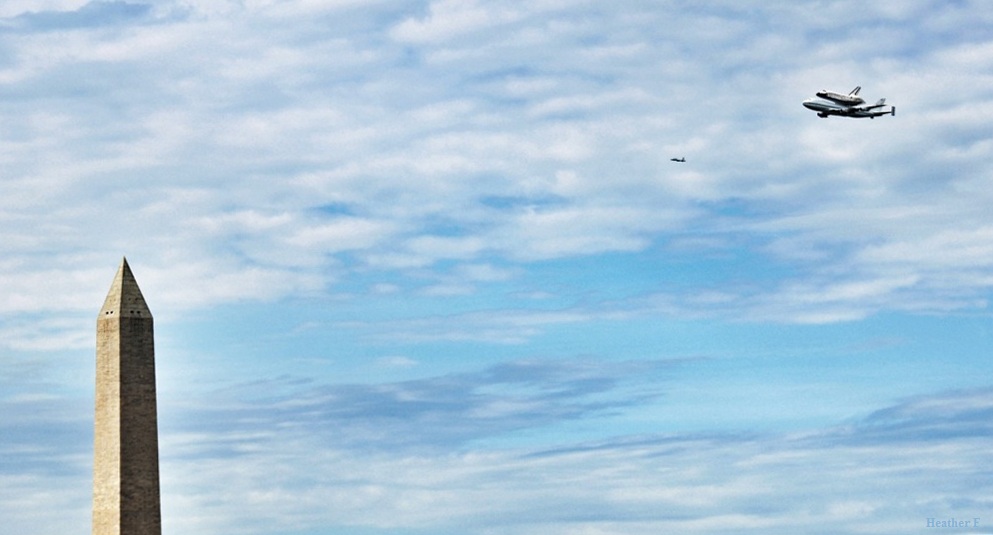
<point>426,267</point>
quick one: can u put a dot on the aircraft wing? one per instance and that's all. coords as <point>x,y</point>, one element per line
<point>880,104</point>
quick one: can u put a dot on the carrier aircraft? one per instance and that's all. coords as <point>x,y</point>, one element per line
<point>851,105</point>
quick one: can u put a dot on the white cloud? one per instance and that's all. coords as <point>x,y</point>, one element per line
<point>210,117</point>
<point>961,248</point>
<point>18,7</point>
<point>447,152</point>
<point>341,235</point>
<point>452,18</point>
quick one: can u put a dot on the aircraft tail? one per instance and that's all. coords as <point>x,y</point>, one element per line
<point>855,91</point>
<point>881,102</point>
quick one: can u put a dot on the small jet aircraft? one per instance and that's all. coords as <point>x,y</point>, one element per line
<point>677,159</point>
<point>850,105</point>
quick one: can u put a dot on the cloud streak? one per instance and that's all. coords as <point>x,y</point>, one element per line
<point>292,456</point>
<point>871,476</point>
<point>446,412</point>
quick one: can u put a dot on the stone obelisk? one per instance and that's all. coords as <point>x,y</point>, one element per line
<point>126,443</point>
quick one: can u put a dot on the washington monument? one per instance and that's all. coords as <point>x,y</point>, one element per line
<point>125,443</point>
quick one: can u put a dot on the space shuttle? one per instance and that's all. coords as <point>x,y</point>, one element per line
<point>851,99</point>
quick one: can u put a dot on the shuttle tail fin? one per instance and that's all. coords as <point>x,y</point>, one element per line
<point>855,91</point>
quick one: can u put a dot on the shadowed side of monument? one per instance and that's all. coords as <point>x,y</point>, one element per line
<point>126,452</point>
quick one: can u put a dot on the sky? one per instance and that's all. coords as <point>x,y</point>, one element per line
<point>426,267</point>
